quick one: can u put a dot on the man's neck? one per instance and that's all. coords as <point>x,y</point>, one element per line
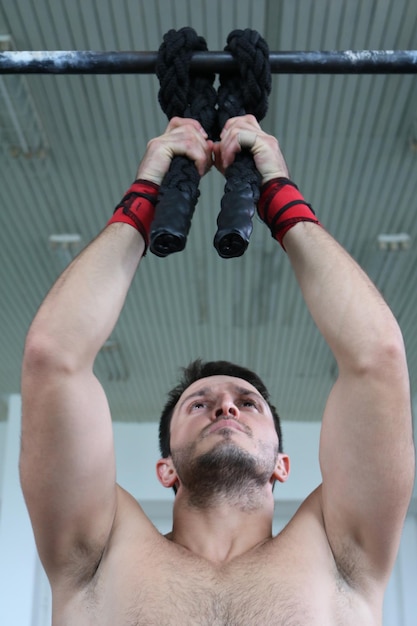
<point>222,531</point>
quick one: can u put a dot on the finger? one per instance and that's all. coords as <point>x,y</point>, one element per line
<point>217,158</point>
<point>187,140</point>
<point>204,158</point>
<point>244,121</point>
<point>233,140</point>
<point>181,122</point>
<point>246,138</point>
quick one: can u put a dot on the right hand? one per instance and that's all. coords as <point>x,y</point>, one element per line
<point>183,136</point>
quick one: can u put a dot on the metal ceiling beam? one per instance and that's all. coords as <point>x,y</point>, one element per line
<point>296,62</point>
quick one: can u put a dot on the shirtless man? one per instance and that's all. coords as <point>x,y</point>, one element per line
<point>106,562</point>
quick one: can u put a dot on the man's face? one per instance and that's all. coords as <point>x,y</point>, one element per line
<point>222,408</point>
<point>223,430</point>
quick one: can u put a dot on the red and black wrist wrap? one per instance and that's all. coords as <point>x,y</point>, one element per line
<point>137,207</point>
<point>281,206</point>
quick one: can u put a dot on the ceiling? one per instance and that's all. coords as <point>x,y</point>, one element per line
<point>350,142</point>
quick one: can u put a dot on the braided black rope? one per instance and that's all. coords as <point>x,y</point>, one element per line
<point>184,95</point>
<point>238,94</point>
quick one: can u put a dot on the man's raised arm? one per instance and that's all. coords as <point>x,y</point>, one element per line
<point>67,458</point>
<point>366,449</point>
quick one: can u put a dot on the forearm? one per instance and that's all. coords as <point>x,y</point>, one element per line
<point>67,464</point>
<point>347,308</point>
<point>82,308</point>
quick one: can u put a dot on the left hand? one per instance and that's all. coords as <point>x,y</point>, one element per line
<point>183,136</point>
<point>244,132</point>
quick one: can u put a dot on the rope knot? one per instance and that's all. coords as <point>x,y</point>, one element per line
<point>249,90</point>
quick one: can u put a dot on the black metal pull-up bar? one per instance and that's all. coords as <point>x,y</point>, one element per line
<point>296,62</point>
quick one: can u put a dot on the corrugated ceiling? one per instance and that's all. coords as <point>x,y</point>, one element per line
<point>351,144</point>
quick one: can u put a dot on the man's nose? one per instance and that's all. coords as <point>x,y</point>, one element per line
<point>227,408</point>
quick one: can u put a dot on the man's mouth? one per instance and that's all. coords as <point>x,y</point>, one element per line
<point>226,424</point>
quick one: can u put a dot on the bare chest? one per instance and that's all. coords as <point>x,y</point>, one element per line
<point>178,589</point>
<point>190,599</point>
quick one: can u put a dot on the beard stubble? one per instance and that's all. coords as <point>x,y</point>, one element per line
<point>225,473</point>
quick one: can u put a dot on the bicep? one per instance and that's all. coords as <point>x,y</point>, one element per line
<point>366,458</point>
<point>67,465</point>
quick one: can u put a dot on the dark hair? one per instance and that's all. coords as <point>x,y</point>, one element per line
<point>200,369</point>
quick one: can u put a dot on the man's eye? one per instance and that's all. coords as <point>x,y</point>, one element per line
<point>198,405</point>
<point>249,403</point>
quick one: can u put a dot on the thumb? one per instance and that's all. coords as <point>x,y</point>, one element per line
<point>217,157</point>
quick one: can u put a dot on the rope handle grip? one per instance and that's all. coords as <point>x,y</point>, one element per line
<point>238,206</point>
<point>177,199</point>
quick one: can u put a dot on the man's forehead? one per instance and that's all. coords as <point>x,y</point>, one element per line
<point>218,383</point>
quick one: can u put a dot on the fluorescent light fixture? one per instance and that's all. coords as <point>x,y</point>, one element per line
<point>65,240</point>
<point>394,241</point>
<point>65,247</point>
<point>387,259</point>
<point>21,128</point>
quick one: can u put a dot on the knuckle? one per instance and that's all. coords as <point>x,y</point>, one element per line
<point>251,118</point>
<point>152,144</point>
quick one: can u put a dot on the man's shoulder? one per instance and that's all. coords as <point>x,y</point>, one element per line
<point>129,513</point>
<point>306,526</point>
<point>309,513</point>
<point>310,532</point>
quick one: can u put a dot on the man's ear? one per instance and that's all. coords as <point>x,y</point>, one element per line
<point>282,468</point>
<point>166,472</point>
